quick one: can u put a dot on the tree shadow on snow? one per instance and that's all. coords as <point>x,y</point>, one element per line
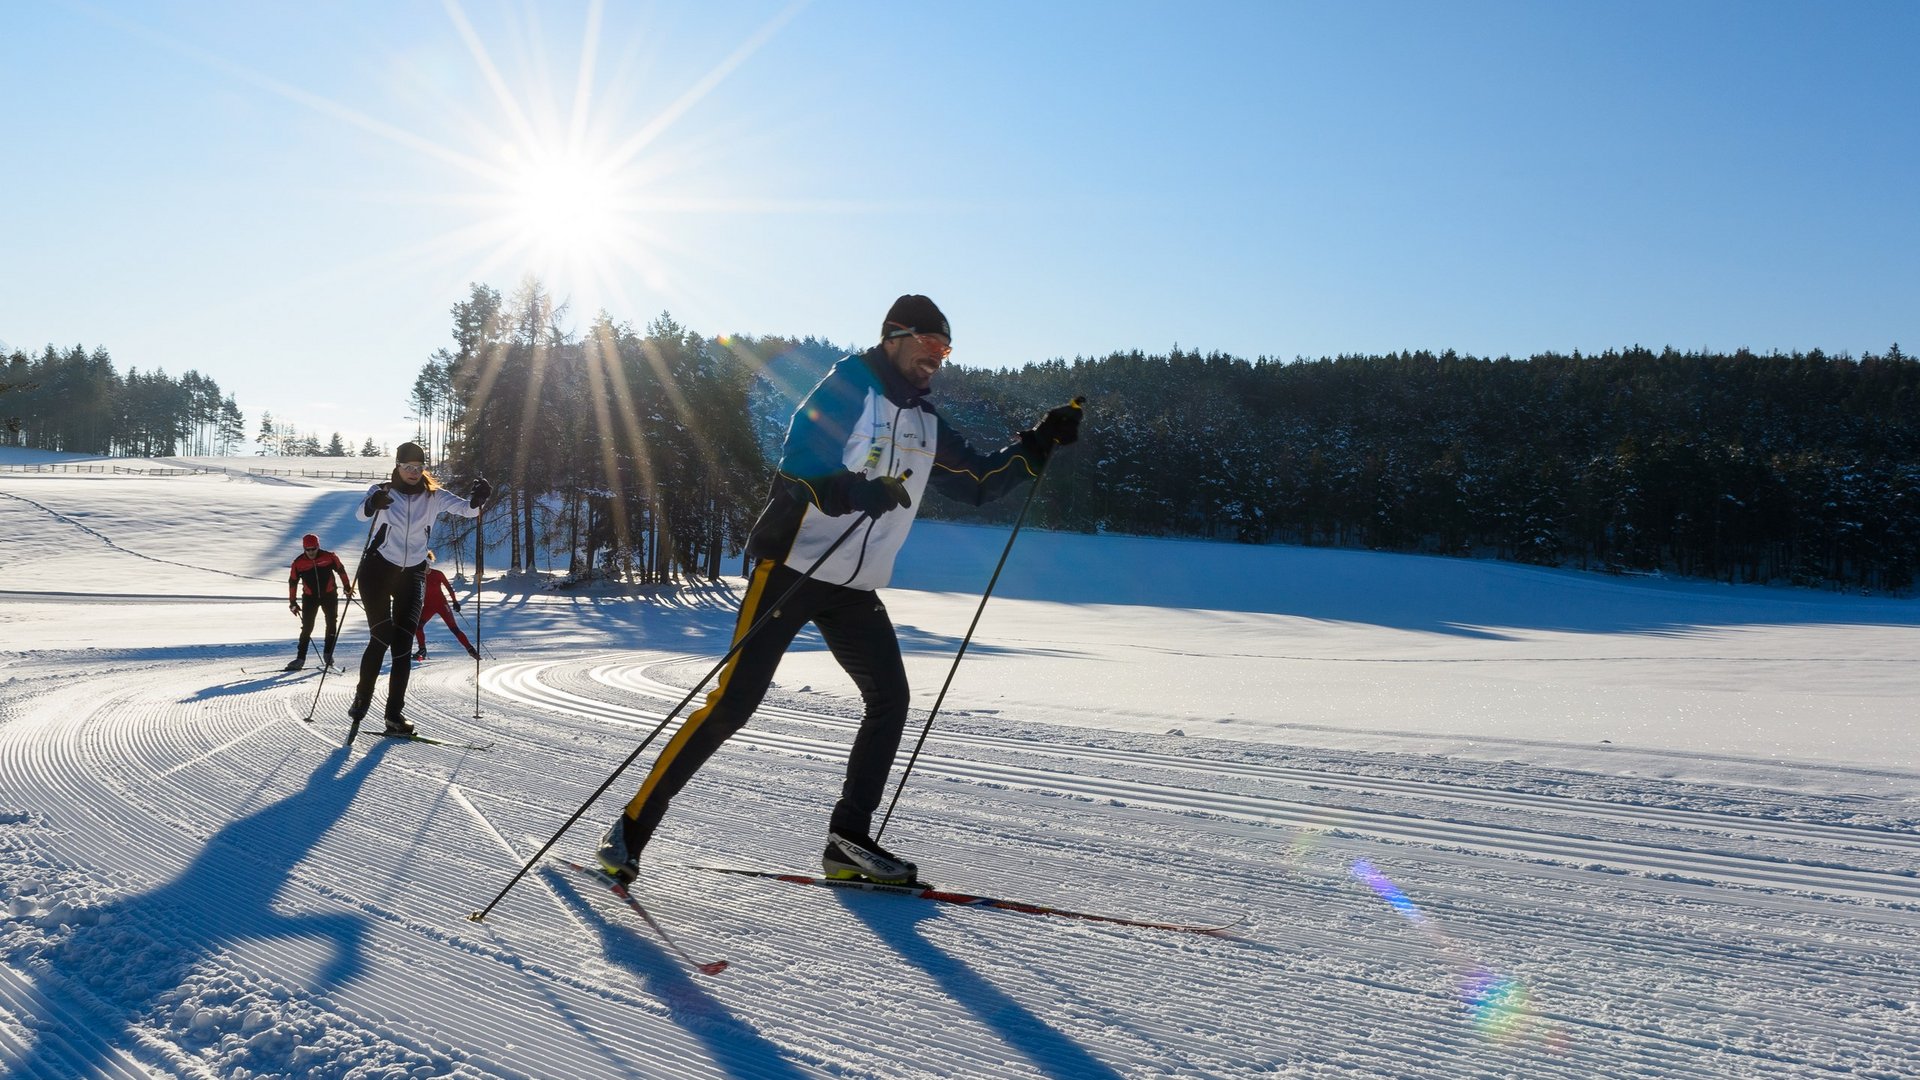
<point>1047,1050</point>
<point>119,967</point>
<point>698,620</point>
<point>733,1044</point>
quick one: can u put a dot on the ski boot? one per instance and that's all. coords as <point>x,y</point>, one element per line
<point>849,858</point>
<point>618,860</point>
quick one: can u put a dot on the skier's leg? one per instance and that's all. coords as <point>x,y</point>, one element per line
<point>377,579</point>
<point>446,616</point>
<point>410,591</point>
<point>743,683</point>
<point>307,612</point>
<point>330,607</point>
<point>863,641</point>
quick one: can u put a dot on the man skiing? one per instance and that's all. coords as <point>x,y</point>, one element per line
<point>859,453</point>
<point>313,571</point>
<point>393,576</point>
<point>439,595</point>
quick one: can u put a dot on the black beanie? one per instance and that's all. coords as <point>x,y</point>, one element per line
<point>409,451</point>
<point>914,314</point>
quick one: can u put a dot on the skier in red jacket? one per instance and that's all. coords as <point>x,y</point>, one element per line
<point>439,594</point>
<point>313,571</point>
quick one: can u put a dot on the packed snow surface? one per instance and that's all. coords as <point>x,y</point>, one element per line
<point>1474,819</point>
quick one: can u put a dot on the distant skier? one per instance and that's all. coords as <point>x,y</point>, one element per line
<point>860,450</point>
<point>393,576</point>
<point>313,572</point>
<point>439,595</point>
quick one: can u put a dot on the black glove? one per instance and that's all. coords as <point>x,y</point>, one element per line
<point>482,491</point>
<point>1059,427</point>
<point>877,495</point>
<point>456,605</point>
<point>293,606</point>
<point>379,500</point>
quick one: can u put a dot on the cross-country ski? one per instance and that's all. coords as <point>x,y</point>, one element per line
<point>923,891</point>
<point>594,878</point>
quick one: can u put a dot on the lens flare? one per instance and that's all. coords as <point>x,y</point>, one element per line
<point>1387,890</point>
<point>1497,1005</point>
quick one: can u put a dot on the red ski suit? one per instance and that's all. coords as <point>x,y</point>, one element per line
<point>439,592</point>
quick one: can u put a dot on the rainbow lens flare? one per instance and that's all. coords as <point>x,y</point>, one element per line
<point>1387,890</point>
<point>1497,1005</point>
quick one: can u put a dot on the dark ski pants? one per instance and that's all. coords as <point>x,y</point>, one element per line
<point>392,596</point>
<point>311,605</point>
<point>855,625</point>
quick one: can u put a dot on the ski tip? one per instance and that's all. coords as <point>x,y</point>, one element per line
<point>713,968</point>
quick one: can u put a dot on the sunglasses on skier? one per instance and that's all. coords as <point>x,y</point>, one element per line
<point>937,346</point>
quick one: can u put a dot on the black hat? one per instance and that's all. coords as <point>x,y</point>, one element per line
<point>409,451</point>
<point>914,314</point>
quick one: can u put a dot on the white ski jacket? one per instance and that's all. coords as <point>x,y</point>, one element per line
<point>404,528</point>
<point>861,421</point>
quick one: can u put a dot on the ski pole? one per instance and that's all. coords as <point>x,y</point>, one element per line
<point>325,668</point>
<point>771,610</point>
<point>1078,403</point>
<point>460,619</point>
<point>479,525</point>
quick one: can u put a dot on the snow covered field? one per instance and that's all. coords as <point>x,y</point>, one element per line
<point>1481,820</point>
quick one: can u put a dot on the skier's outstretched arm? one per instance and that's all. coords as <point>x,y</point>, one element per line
<point>963,473</point>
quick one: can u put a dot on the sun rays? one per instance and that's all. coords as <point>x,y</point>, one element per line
<point>553,164</point>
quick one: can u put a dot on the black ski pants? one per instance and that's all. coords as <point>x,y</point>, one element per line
<point>858,631</point>
<point>392,596</point>
<point>310,605</point>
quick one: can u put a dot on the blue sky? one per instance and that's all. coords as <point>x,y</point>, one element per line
<point>290,197</point>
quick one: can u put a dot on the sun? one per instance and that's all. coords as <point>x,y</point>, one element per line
<point>555,184</point>
<point>564,207</point>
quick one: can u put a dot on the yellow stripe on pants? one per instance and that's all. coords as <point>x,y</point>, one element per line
<point>756,590</point>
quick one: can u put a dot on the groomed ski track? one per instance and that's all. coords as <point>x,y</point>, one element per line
<point>203,884</point>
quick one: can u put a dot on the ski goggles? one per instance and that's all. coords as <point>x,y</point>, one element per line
<point>937,347</point>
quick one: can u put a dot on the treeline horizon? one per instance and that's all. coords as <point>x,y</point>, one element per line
<point>1795,468</point>
<point>76,401</point>
<point>646,454</point>
<point>1799,468</point>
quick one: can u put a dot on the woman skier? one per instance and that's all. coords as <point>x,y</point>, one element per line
<point>393,576</point>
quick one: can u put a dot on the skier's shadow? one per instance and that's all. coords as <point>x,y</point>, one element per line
<point>735,1046</point>
<point>1047,1050</point>
<point>242,686</point>
<point>132,954</point>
